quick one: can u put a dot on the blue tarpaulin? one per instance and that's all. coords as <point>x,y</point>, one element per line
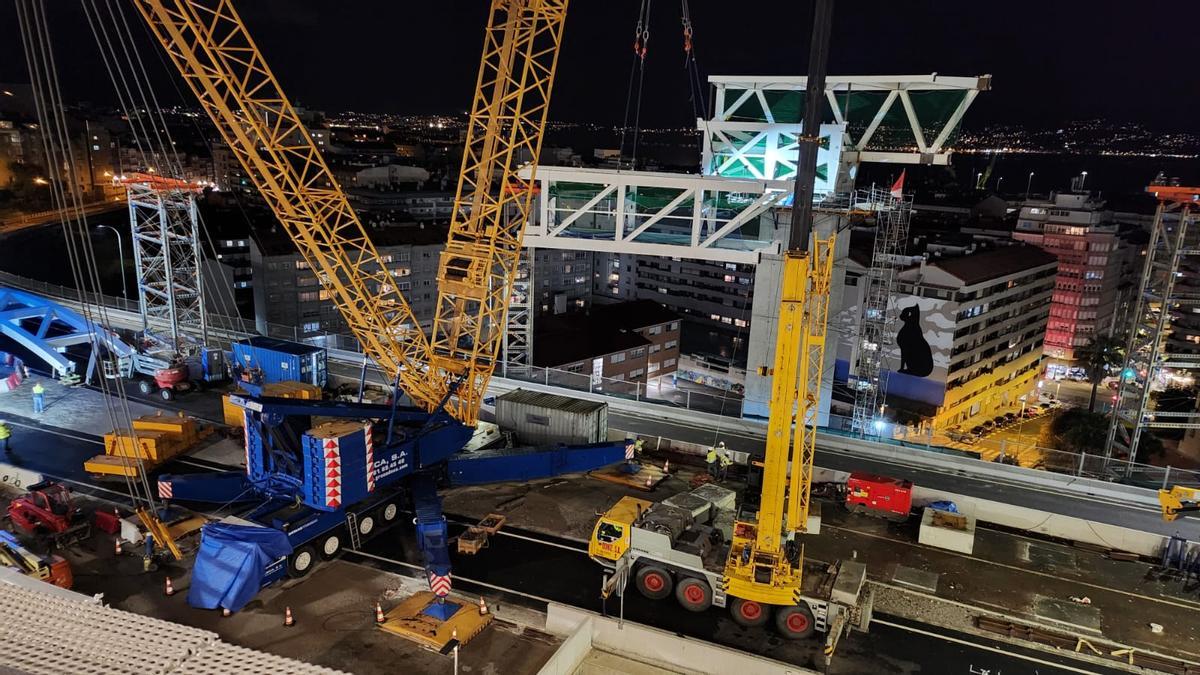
<point>229,566</point>
<point>950,507</point>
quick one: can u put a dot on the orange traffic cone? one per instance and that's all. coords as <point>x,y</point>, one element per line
<point>483,608</point>
<point>379,613</point>
<point>649,483</point>
<point>117,546</point>
<point>170,590</point>
<point>225,612</point>
<point>666,466</point>
<point>287,617</point>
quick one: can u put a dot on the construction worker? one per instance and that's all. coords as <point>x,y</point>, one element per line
<point>39,397</point>
<point>5,434</point>
<point>638,445</point>
<point>726,462</point>
<point>711,459</point>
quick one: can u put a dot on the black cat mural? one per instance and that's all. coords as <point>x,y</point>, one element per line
<point>915,355</point>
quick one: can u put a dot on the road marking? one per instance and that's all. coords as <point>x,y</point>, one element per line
<point>976,645</point>
<point>56,431</point>
<point>1180,603</point>
<point>477,582</point>
<point>535,540</point>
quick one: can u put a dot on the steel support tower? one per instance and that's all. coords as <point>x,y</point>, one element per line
<point>167,258</point>
<point>518,338</point>
<point>870,374</point>
<point>1167,303</point>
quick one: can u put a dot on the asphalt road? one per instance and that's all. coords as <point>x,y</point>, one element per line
<point>534,568</point>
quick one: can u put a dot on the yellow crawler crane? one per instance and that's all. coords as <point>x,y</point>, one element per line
<point>209,44</point>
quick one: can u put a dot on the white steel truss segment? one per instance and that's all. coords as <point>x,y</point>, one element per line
<point>167,259</point>
<point>741,97</point>
<point>699,217</point>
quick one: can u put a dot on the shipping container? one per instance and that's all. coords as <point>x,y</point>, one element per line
<point>538,418</point>
<point>282,361</point>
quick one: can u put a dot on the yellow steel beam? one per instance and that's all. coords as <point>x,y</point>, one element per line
<point>212,49</point>
<point>476,270</point>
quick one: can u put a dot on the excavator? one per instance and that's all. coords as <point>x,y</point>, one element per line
<point>445,374</point>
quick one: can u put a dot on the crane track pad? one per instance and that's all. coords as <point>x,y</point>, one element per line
<point>410,620</point>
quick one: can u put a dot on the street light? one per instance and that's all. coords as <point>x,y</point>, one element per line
<point>121,255</point>
<point>1083,181</point>
<point>1027,184</point>
<point>998,182</point>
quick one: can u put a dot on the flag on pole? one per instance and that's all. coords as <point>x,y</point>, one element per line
<point>898,186</point>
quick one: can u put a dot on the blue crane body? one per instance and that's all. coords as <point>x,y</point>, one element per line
<point>311,486</point>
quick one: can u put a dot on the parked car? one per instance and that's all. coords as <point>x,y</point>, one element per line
<point>1032,411</point>
<point>978,431</point>
<point>989,425</point>
<point>962,437</point>
<point>1000,420</point>
<point>1011,417</point>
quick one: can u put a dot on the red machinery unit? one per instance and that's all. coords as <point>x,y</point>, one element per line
<point>48,509</point>
<point>879,495</point>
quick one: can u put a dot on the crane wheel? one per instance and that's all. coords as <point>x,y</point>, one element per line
<point>693,594</point>
<point>749,613</point>
<point>795,622</point>
<point>331,545</point>
<point>301,562</point>
<point>654,582</point>
<point>166,394</point>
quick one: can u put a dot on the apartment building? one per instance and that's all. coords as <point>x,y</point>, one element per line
<point>635,341</point>
<point>969,334</point>
<point>287,293</point>
<point>563,280</point>
<point>1082,235</point>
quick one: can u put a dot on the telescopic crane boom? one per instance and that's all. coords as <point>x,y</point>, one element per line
<point>765,563</point>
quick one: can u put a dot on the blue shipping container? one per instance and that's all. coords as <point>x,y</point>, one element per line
<point>282,361</point>
<point>530,463</point>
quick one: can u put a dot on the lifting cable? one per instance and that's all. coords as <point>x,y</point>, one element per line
<point>697,91</point>
<point>68,200</point>
<point>637,70</point>
<point>139,103</point>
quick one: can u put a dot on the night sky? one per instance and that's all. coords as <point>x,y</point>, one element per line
<point>1052,60</point>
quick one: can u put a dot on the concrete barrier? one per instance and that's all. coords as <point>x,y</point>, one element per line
<point>586,631</point>
<point>16,477</point>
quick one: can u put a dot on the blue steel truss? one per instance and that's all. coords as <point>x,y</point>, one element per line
<point>46,329</point>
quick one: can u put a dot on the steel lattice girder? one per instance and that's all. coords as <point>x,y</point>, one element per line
<point>475,273</point>
<point>46,328</point>
<point>646,213</point>
<point>926,108</point>
<point>220,62</point>
<point>167,257</point>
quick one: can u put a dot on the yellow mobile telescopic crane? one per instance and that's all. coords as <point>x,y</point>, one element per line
<point>765,564</point>
<point>209,44</point>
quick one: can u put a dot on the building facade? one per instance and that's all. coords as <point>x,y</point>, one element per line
<point>968,336</point>
<point>1082,236</point>
<point>287,293</point>
<point>634,342</point>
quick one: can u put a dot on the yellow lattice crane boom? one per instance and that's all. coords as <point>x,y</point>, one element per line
<point>476,271</point>
<point>209,44</point>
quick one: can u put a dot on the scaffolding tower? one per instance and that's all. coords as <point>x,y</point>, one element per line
<point>870,375</point>
<point>518,336</point>
<point>166,245</point>
<point>1158,351</point>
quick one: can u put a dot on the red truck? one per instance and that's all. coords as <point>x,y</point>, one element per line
<point>882,496</point>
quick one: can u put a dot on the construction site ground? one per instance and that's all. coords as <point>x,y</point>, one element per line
<point>334,611</point>
<point>1031,581</point>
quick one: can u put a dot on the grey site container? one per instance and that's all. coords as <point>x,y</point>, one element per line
<point>538,418</point>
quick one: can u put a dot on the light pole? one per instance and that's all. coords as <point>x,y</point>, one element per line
<point>121,255</point>
<point>999,181</point>
<point>1027,184</point>
<point>1083,181</point>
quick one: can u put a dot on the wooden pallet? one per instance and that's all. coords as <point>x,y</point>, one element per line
<point>646,479</point>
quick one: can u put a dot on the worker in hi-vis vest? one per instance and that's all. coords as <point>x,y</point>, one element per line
<point>712,459</point>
